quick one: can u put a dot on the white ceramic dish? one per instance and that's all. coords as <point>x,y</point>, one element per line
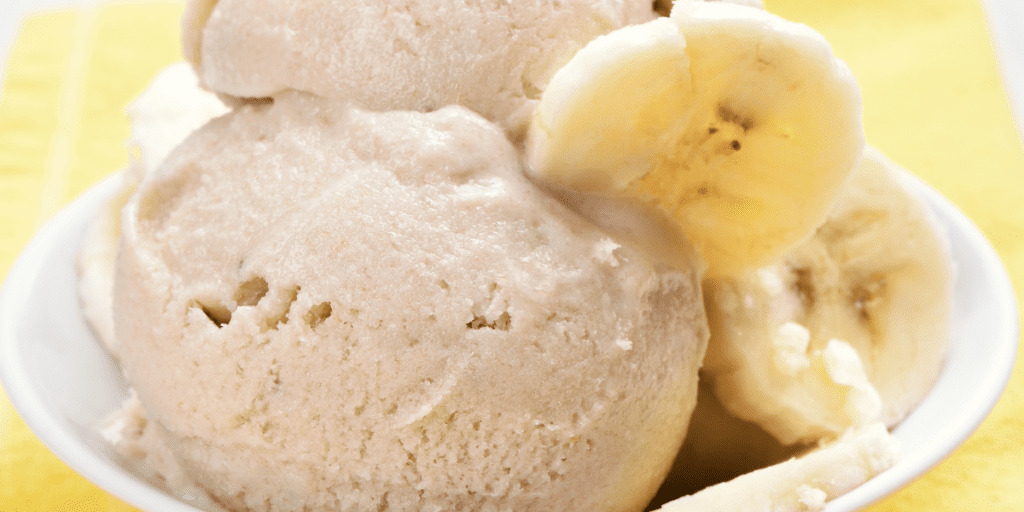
<point>63,383</point>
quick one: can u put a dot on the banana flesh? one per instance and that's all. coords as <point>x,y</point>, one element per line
<point>849,327</point>
<point>805,483</point>
<point>738,125</point>
<point>719,447</point>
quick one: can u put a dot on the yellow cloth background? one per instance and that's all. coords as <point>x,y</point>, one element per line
<point>933,101</point>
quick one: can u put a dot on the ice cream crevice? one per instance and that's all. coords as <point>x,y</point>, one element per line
<point>250,292</point>
<point>501,323</point>
<point>280,316</point>
<point>215,311</point>
<point>317,314</point>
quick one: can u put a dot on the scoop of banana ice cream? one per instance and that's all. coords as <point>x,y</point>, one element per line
<point>172,107</point>
<point>491,57</point>
<point>322,308</point>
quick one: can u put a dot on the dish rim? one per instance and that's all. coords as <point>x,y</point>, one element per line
<point>17,383</point>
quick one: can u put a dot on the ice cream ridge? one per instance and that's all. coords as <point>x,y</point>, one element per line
<point>521,255</point>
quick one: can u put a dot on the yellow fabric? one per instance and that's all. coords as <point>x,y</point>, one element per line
<point>62,127</point>
<point>933,102</point>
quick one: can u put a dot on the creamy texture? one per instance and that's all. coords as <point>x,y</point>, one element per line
<point>138,440</point>
<point>327,308</point>
<point>491,57</point>
<point>171,108</point>
<point>324,308</point>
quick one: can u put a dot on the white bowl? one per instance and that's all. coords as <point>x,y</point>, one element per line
<point>63,383</point>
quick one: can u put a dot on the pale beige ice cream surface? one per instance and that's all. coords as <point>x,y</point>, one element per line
<point>327,308</point>
<point>171,108</point>
<point>491,57</point>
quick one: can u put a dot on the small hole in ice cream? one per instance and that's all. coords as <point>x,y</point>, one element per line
<point>501,323</point>
<point>281,315</point>
<point>663,7</point>
<point>250,292</point>
<point>317,314</point>
<point>215,311</point>
<point>256,101</point>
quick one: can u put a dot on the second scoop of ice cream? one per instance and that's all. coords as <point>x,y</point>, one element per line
<point>492,57</point>
<point>323,307</point>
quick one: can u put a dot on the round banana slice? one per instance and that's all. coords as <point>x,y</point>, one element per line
<point>803,483</point>
<point>738,124</point>
<point>850,327</point>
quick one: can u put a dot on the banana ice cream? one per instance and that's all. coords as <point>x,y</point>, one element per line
<point>322,307</point>
<point>172,107</point>
<point>494,58</point>
<point>450,257</point>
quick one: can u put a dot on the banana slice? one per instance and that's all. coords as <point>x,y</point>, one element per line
<point>738,124</point>
<point>850,327</point>
<point>805,483</point>
<point>719,447</point>
<point>161,117</point>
